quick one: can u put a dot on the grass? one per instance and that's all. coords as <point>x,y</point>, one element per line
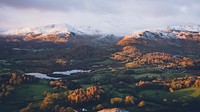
<point>154,95</point>
<point>150,75</point>
<point>183,95</point>
<point>33,90</point>
<point>188,94</point>
<point>172,74</point>
<point>85,86</point>
<point>24,94</point>
<point>105,62</point>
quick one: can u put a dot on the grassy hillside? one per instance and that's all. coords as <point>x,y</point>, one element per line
<point>24,94</point>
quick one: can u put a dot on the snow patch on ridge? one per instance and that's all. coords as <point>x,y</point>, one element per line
<point>56,29</point>
<point>190,27</point>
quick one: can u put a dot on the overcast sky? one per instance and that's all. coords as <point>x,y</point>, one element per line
<point>112,15</point>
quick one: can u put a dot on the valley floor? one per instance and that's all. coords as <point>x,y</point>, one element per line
<point>109,84</point>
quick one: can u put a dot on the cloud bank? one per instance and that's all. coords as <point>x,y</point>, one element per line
<point>122,16</point>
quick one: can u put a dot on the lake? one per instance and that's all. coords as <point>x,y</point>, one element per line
<point>69,72</point>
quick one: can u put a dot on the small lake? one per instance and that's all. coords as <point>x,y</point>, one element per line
<point>44,76</point>
<point>41,76</point>
<point>71,72</point>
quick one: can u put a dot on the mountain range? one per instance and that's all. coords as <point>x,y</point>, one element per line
<point>80,35</point>
<point>84,35</point>
<point>56,29</point>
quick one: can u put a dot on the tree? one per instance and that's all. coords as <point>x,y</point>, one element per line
<point>171,90</point>
<point>52,83</point>
<point>141,104</point>
<point>116,101</point>
<point>62,109</point>
<point>27,108</point>
<point>70,109</point>
<point>56,107</point>
<point>129,100</point>
<point>99,107</point>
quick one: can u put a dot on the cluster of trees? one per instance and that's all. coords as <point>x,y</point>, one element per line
<point>89,94</point>
<point>128,53</point>
<point>135,58</point>
<point>174,84</point>
<point>161,60</point>
<point>185,82</point>
<point>62,85</point>
<point>62,101</point>
<point>7,83</point>
<point>58,85</point>
<point>55,102</point>
<point>128,100</point>
<point>15,79</point>
<point>116,101</point>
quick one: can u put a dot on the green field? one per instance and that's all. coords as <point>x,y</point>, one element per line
<point>24,94</point>
<point>183,95</point>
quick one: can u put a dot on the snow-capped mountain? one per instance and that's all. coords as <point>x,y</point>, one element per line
<point>153,35</point>
<point>63,33</point>
<point>55,29</point>
<point>157,34</point>
<point>50,29</point>
<point>170,32</point>
<point>89,30</point>
<point>190,27</point>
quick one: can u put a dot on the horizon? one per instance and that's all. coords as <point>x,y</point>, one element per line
<point>113,16</point>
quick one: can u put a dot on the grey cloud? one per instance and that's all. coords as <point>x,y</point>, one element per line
<point>43,4</point>
<point>98,6</point>
<point>116,14</point>
<point>148,7</point>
